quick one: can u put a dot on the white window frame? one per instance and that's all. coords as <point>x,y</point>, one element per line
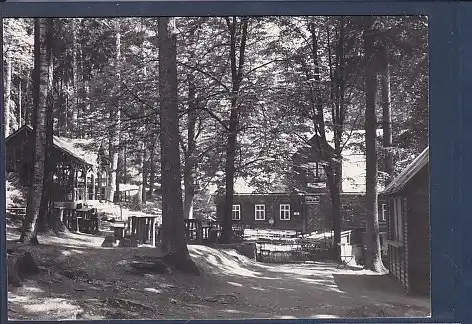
<point>236,209</point>
<point>259,213</point>
<point>383,213</point>
<point>284,210</point>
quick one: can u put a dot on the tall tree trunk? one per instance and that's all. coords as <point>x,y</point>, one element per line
<point>386,110</point>
<point>45,219</point>
<point>75,96</point>
<point>373,259</point>
<point>173,240</point>
<point>41,82</point>
<point>114,130</point>
<point>189,166</point>
<point>152,169</point>
<point>145,175</point>
<point>20,99</point>
<point>139,196</point>
<point>236,78</point>
<point>7,101</point>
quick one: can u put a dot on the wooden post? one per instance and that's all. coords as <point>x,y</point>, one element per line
<point>85,182</point>
<point>199,232</point>
<point>153,231</point>
<point>93,184</point>
<point>99,185</point>
<point>141,229</point>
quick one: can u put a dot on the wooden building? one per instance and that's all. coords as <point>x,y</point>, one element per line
<point>301,212</point>
<point>408,227</point>
<point>73,162</point>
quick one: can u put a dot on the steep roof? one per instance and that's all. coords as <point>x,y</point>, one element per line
<point>409,172</point>
<point>79,149</point>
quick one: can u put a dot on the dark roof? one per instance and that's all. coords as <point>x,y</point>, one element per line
<point>315,150</point>
<point>409,172</point>
<point>75,148</point>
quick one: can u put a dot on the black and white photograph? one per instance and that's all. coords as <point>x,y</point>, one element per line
<point>235,167</point>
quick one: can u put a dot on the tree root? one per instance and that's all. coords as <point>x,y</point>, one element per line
<point>20,263</point>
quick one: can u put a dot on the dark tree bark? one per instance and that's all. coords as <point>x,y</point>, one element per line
<point>41,83</point>
<point>152,168</point>
<point>114,130</point>
<point>20,98</point>
<point>139,196</point>
<point>173,238</point>
<point>29,89</point>
<point>189,166</point>
<point>333,169</point>
<point>236,78</point>
<point>46,219</point>
<point>73,129</point>
<point>145,175</point>
<point>7,96</point>
<point>373,259</point>
<point>386,110</point>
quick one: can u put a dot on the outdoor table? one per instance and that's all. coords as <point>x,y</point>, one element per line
<point>69,217</point>
<point>89,223</point>
<point>144,227</point>
<point>118,230</point>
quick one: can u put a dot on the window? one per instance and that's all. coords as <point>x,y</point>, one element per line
<point>383,213</point>
<point>397,222</point>
<point>285,212</point>
<point>236,212</point>
<point>259,212</point>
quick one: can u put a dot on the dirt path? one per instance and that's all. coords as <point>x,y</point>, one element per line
<point>81,280</point>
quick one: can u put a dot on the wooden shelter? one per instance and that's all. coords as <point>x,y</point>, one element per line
<point>408,226</point>
<point>73,162</point>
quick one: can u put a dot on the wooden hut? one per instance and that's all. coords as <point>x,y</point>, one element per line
<point>73,162</point>
<point>408,226</point>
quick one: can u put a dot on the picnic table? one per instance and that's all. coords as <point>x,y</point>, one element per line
<point>144,227</point>
<point>81,219</point>
<point>87,220</point>
<point>66,214</point>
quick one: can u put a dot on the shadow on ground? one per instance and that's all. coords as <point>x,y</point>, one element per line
<point>81,280</point>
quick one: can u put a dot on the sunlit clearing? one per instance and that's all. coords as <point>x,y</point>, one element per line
<point>52,304</point>
<point>17,299</point>
<point>33,289</point>
<point>153,290</point>
<point>235,284</point>
<point>233,311</point>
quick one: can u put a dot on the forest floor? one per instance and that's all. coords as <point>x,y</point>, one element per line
<point>79,279</point>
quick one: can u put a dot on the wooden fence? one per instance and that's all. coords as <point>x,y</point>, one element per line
<point>283,251</point>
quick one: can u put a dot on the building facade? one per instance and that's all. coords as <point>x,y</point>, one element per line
<point>304,213</point>
<point>408,227</point>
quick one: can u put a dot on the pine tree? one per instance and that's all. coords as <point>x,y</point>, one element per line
<point>173,239</point>
<point>373,258</point>
<point>41,89</point>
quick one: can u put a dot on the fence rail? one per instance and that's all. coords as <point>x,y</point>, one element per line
<point>282,251</point>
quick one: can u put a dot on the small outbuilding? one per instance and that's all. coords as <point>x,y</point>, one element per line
<point>409,227</point>
<point>74,163</point>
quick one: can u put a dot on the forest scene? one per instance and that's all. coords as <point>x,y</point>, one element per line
<point>216,167</point>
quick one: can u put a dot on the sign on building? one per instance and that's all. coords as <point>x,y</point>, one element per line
<point>312,200</point>
<point>316,185</point>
